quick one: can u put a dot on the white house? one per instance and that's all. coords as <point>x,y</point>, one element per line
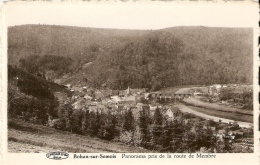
<point>169,114</point>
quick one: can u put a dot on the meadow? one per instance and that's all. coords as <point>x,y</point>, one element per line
<point>27,137</point>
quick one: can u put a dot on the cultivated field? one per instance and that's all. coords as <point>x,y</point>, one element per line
<point>26,137</point>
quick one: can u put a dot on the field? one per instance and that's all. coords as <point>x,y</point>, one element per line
<point>198,103</point>
<point>219,110</point>
<point>30,138</point>
<point>223,114</point>
<point>183,88</point>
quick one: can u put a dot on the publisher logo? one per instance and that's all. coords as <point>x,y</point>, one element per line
<point>57,155</point>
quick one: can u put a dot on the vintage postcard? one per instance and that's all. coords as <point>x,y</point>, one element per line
<point>129,82</point>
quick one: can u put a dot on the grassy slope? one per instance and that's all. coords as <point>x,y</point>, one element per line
<point>37,138</point>
<point>219,110</point>
<point>19,147</point>
<point>213,106</point>
<point>223,114</point>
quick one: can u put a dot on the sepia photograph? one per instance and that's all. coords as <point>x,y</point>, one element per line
<point>117,78</point>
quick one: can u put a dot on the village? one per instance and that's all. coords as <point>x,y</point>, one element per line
<point>119,101</point>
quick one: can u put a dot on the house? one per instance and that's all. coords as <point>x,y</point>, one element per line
<point>218,88</point>
<point>106,100</point>
<point>212,90</point>
<point>146,95</point>
<point>153,106</point>
<point>96,107</point>
<point>139,106</point>
<point>169,114</point>
<point>68,86</point>
<point>79,104</point>
<point>127,100</point>
<point>116,99</point>
<point>222,134</point>
<point>78,89</point>
<point>196,94</point>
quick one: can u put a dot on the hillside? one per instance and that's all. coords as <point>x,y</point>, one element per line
<point>26,137</point>
<point>31,97</point>
<point>136,58</point>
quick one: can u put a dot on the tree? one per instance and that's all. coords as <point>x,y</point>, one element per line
<point>108,128</point>
<point>95,123</point>
<point>203,136</point>
<point>76,121</point>
<point>178,131</point>
<point>86,122</point>
<point>189,142</point>
<point>144,122</point>
<point>128,124</point>
<point>157,127</point>
<point>166,136</point>
<point>62,119</point>
<point>158,117</point>
<point>68,117</point>
<point>227,142</point>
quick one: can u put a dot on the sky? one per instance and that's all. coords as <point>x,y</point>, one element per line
<point>153,15</point>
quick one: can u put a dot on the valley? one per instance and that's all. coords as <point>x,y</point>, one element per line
<point>96,90</point>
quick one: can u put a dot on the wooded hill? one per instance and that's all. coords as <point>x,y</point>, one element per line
<point>138,58</point>
<point>31,97</point>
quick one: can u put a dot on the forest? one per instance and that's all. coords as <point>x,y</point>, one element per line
<point>138,58</point>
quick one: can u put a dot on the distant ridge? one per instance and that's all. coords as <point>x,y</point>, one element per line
<point>139,58</point>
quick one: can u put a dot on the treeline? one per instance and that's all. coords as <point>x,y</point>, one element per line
<point>183,134</point>
<point>95,124</point>
<point>242,97</point>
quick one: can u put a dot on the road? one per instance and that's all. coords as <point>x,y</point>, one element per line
<point>184,108</point>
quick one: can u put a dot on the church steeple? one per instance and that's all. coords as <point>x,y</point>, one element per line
<point>128,92</point>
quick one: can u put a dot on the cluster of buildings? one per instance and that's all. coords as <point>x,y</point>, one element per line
<point>135,95</point>
<point>117,101</point>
